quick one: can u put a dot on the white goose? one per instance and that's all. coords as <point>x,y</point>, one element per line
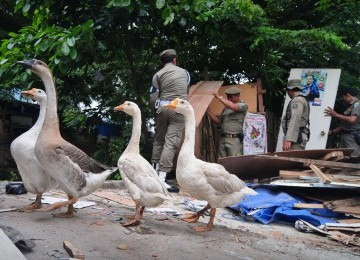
<point>33,175</point>
<point>75,172</point>
<point>140,178</point>
<point>204,180</point>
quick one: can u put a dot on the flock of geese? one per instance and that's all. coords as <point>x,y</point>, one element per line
<point>45,161</point>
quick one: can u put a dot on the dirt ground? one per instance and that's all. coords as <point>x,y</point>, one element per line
<point>97,231</point>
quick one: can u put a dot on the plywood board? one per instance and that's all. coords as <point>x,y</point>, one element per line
<point>248,93</point>
<point>114,197</point>
<point>250,167</point>
<point>200,97</point>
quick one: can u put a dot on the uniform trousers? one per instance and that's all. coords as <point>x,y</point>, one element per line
<point>168,136</point>
<point>230,147</point>
<point>348,141</point>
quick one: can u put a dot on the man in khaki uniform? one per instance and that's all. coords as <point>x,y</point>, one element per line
<point>232,121</point>
<point>295,123</point>
<point>172,82</point>
<point>349,122</point>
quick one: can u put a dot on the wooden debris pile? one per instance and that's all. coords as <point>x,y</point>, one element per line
<point>338,174</point>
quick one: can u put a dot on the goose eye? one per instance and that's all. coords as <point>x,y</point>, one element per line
<point>181,102</point>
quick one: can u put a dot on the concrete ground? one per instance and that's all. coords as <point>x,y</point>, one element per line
<point>97,231</point>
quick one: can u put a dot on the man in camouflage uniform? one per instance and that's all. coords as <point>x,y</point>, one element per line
<point>231,120</point>
<point>171,82</point>
<point>295,123</point>
<point>349,122</point>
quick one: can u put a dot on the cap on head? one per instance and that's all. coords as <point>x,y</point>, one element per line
<point>294,83</point>
<point>232,91</point>
<point>168,52</point>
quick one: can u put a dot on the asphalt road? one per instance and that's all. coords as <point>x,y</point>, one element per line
<point>97,231</point>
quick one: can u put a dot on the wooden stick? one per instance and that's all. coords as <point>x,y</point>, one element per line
<point>319,173</point>
<point>73,251</point>
<point>308,206</point>
<point>312,161</point>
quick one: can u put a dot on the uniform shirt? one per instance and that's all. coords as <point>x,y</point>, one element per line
<point>232,121</point>
<point>297,115</point>
<point>353,110</point>
<point>172,81</point>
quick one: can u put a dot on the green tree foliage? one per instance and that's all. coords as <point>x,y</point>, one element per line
<point>107,50</point>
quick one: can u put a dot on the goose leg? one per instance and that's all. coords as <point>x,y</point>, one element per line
<point>192,218</point>
<point>58,205</point>
<point>136,219</point>
<point>35,205</point>
<point>70,212</point>
<point>210,224</point>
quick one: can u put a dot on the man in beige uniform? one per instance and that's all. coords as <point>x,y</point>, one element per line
<point>231,120</point>
<point>172,82</point>
<point>349,122</point>
<point>295,123</point>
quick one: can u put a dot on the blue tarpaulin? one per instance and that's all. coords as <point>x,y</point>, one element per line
<point>274,206</point>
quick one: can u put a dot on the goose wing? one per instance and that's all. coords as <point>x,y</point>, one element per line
<point>141,173</point>
<point>77,156</point>
<point>220,179</point>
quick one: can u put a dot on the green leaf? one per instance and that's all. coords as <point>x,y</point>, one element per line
<point>120,3</point>
<point>37,42</point>
<point>10,45</point>
<point>3,61</point>
<point>65,49</point>
<point>26,8</point>
<point>73,53</point>
<point>160,4</point>
<point>71,41</point>
<point>44,46</point>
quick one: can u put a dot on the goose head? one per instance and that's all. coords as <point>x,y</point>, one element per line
<point>129,108</point>
<point>180,106</point>
<point>34,93</point>
<point>37,66</point>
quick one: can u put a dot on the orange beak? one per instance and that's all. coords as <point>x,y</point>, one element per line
<point>29,93</point>
<point>173,104</point>
<point>120,107</point>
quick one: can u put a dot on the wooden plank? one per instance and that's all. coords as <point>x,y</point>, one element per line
<point>7,210</point>
<point>308,206</point>
<point>355,201</point>
<point>114,197</point>
<point>347,210</point>
<point>73,251</point>
<point>313,153</point>
<point>350,220</point>
<point>333,156</point>
<point>294,174</point>
<point>8,249</point>
<point>320,174</point>
<point>313,161</point>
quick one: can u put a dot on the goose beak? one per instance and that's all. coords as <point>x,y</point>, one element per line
<point>26,63</point>
<point>29,93</point>
<point>172,104</point>
<point>119,108</point>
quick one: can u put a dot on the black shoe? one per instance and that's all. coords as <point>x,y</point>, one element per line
<point>172,188</point>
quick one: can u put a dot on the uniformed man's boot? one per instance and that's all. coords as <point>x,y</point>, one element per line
<point>162,177</point>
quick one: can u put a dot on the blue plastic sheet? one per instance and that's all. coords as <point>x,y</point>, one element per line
<point>279,206</point>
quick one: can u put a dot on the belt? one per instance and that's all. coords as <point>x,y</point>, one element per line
<point>226,135</point>
<point>164,102</point>
<point>159,103</point>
